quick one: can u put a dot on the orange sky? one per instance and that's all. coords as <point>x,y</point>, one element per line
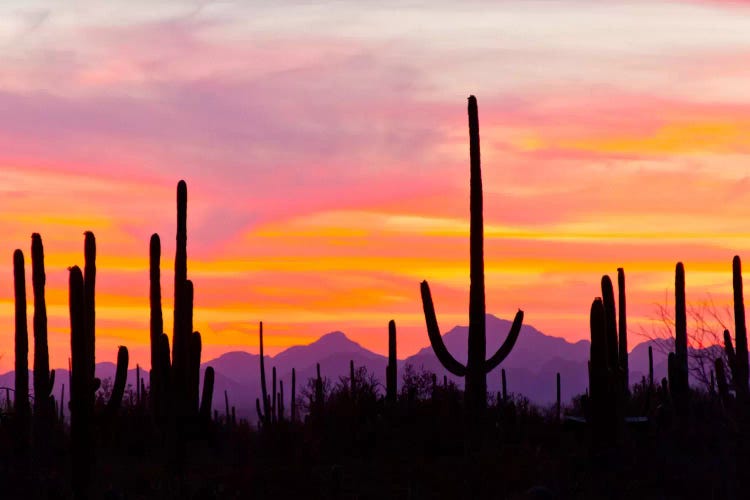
<point>326,158</point>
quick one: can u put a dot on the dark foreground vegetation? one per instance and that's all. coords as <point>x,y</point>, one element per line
<point>354,438</point>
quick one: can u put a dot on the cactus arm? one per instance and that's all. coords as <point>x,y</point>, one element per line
<point>194,373</point>
<point>120,378</point>
<point>436,340</point>
<point>507,346</point>
<point>208,394</point>
<point>610,318</point>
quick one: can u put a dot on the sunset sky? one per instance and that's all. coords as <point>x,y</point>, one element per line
<point>325,147</point>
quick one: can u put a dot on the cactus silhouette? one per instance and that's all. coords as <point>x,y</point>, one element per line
<point>737,354</point>
<point>651,367</point>
<point>264,415</point>
<point>81,389</point>
<point>44,379</point>
<point>21,404</point>
<point>89,297</point>
<point>319,403</point>
<point>157,375</point>
<point>622,334</point>
<point>182,319</point>
<point>175,382</point>
<point>477,367</point>
<point>194,372</point>
<point>121,375</point>
<point>391,374</point>
<point>602,381</point>
<point>208,394</point>
<point>677,362</point>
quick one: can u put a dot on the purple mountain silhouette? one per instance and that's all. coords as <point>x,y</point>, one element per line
<point>530,368</point>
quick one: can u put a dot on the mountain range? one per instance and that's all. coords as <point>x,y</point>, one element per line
<point>530,368</point>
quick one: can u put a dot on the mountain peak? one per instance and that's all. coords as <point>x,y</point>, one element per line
<point>336,340</point>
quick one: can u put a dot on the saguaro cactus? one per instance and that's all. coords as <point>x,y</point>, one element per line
<point>391,369</point>
<point>602,381</point>
<point>650,368</point>
<point>82,386</point>
<point>44,380</point>
<point>739,358</point>
<point>623,334</point>
<point>194,372</point>
<point>23,411</point>
<point>89,297</point>
<point>678,364</point>
<point>181,332</point>
<point>157,376</point>
<point>477,367</point>
<point>265,414</point>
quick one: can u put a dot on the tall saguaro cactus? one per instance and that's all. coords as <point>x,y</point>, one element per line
<point>677,362</point>
<point>477,367</point>
<point>182,331</point>
<point>82,385</point>
<point>43,378</point>
<point>739,366</point>
<point>623,333</point>
<point>158,372</point>
<point>89,297</point>
<point>23,411</point>
<point>602,376</point>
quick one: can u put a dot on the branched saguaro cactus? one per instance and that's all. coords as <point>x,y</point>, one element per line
<point>183,320</point>
<point>22,408</point>
<point>602,381</point>
<point>391,373</point>
<point>608,362</point>
<point>477,367</point>
<point>175,383</point>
